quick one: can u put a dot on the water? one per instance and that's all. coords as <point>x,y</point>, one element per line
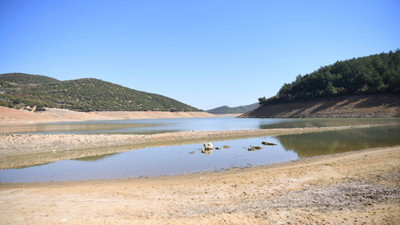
<point>149,126</point>
<point>142,126</point>
<point>172,160</point>
<point>331,142</point>
<point>158,161</point>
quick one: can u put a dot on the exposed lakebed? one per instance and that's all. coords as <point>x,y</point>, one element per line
<point>181,159</point>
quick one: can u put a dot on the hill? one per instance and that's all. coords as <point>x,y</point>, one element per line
<point>25,90</point>
<point>26,79</point>
<point>359,87</point>
<point>227,110</point>
<point>365,75</point>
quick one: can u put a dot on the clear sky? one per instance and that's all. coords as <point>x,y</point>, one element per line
<point>205,53</point>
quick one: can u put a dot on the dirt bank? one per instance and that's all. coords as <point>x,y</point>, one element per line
<point>10,116</point>
<point>352,188</point>
<point>362,106</point>
<point>18,150</point>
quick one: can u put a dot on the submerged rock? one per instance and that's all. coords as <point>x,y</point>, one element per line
<point>226,146</point>
<point>253,148</point>
<point>267,143</point>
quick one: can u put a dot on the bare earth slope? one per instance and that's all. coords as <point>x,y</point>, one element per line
<point>15,116</point>
<point>361,106</point>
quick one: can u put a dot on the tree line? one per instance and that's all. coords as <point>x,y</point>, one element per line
<point>373,74</point>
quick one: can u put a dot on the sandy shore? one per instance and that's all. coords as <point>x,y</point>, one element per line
<point>19,150</point>
<point>360,187</point>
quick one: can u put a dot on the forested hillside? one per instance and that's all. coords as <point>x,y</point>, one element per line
<point>365,75</point>
<point>26,79</point>
<point>24,90</point>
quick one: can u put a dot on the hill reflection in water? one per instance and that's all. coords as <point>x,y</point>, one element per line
<point>331,142</point>
<point>327,122</point>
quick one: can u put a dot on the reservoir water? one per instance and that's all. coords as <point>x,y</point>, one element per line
<point>148,126</point>
<point>181,159</point>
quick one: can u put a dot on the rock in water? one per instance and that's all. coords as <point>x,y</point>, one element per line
<point>267,143</point>
<point>253,148</point>
<point>208,146</point>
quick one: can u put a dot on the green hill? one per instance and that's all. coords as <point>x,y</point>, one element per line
<point>226,109</point>
<point>80,95</point>
<point>365,75</point>
<point>26,79</point>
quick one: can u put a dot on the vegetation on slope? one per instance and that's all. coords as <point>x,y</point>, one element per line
<point>86,95</point>
<point>366,75</point>
<point>26,79</point>
<point>226,109</point>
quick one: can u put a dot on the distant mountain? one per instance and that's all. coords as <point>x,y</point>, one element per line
<point>226,109</point>
<point>26,90</point>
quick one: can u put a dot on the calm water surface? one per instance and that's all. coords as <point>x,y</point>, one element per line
<point>182,124</point>
<point>182,159</point>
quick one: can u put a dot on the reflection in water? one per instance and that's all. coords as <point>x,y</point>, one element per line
<point>74,127</point>
<point>207,151</point>
<point>328,122</point>
<point>95,158</point>
<point>330,142</point>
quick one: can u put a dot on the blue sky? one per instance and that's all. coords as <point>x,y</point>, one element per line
<point>203,53</point>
